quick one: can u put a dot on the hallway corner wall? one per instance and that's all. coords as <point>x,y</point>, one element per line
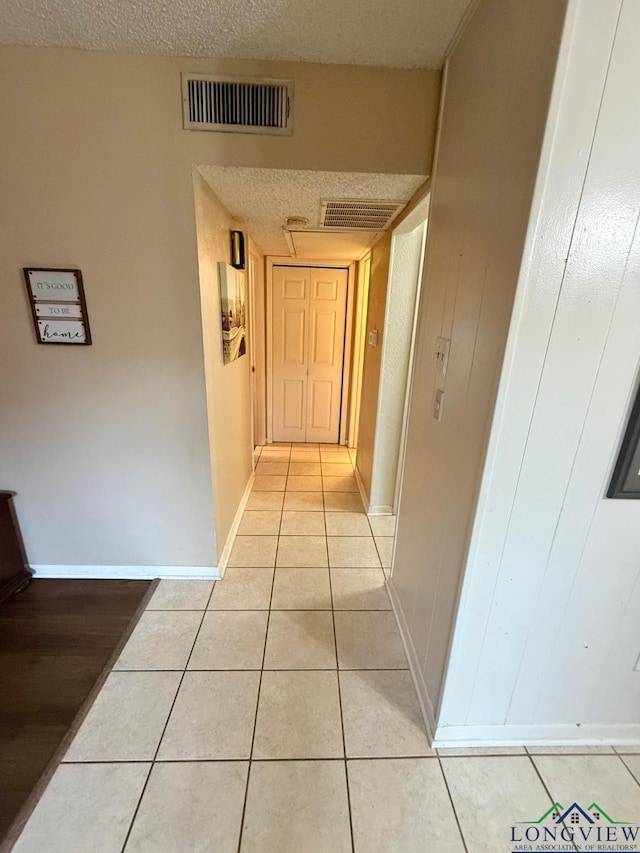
<point>547,639</point>
<point>378,282</point>
<point>228,385</point>
<point>497,89</point>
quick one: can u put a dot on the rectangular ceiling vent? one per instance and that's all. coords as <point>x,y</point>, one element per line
<point>237,104</point>
<point>359,214</point>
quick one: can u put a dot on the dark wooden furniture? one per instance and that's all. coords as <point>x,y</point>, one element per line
<point>13,572</point>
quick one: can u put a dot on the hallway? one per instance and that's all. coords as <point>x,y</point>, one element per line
<point>274,711</point>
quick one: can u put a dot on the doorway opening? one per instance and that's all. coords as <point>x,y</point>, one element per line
<point>394,296</point>
<point>308,350</point>
<point>406,261</point>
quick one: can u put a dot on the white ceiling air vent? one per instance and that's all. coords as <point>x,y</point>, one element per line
<point>237,104</point>
<point>359,214</point>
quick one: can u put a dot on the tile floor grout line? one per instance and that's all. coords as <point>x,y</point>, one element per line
<point>271,760</point>
<point>453,805</point>
<point>265,760</point>
<point>335,641</point>
<point>166,723</point>
<point>344,742</point>
<point>255,718</point>
<point>298,668</point>
<point>324,503</point>
<point>278,543</point>
<point>284,609</point>
<point>545,786</point>
<point>627,768</point>
<point>376,547</point>
<point>330,758</point>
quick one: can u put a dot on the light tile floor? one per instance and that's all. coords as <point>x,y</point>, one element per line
<point>274,712</point>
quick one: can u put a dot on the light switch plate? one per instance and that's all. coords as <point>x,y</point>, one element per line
<point>442,354</point>
<point>438,404</point>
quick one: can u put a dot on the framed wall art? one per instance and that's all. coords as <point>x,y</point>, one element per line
<point>58,306</point>
<point>233,308</point>
<point>625,482</point>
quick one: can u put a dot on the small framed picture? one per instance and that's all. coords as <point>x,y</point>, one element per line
<point>625,482</point>
<point>233,308</point>
<point>58,306</point>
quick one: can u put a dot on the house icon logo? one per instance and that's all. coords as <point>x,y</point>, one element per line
<point>575,827</point>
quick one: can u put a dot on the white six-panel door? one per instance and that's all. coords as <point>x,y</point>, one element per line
<point>309,311</point>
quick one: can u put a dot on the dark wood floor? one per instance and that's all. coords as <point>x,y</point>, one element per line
<point>55,639</point>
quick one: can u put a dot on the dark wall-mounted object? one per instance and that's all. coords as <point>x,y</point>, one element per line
<point>625,482</point>
<point>237,250</point>
<point>13,572</point>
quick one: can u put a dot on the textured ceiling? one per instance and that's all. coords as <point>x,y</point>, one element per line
<point>402,34</point>
<point>343,246</point>
<point>262,199</point>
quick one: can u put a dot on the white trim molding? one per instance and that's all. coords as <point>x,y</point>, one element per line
<point>424,700</point>
<point>380,510</point>
<point>127,572</point>
<point>363,492</point>
<point>233,532</point>
<point>554,734</point>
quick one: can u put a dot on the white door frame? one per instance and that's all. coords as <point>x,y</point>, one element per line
<point>252,343</point>
<point>384,443</point>
<point>360,330</point>
<point>350,266</point>
<point>255,277</point>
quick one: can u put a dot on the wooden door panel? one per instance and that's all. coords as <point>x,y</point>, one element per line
<point>325,290</point>
<point>321,394</point>
<point>295,288</point>
<point>322,351</point>
<point>293,324</point>
<point>290,352</point>
<point>327,315</point>
<point>293,404</point>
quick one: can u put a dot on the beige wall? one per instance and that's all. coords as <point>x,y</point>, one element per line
<point>495,106</point>
<point>228,385</point>
<point>378,280</point>
<point>107,445</point>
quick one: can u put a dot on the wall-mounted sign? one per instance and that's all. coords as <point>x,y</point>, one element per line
<point>58,306</point>
<point>625,482</point>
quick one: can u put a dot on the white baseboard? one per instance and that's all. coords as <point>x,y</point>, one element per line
<point>558,734</point>
<point>151,572</point>
<point>362,490</point>
<point>424,700</point>
<point>228,545</point>
<point>381,509</point>
<point>127,572</point>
